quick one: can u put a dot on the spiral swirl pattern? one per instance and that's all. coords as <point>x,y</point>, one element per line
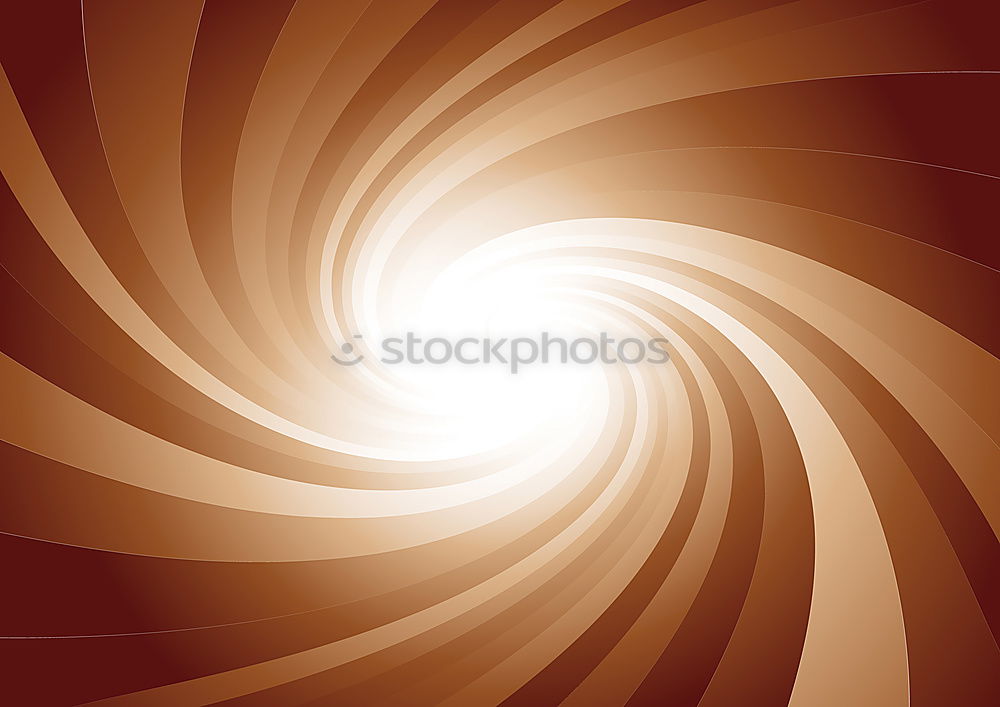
<point>202,201</point>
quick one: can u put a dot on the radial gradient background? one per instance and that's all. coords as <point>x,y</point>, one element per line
<point>202,200</point>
